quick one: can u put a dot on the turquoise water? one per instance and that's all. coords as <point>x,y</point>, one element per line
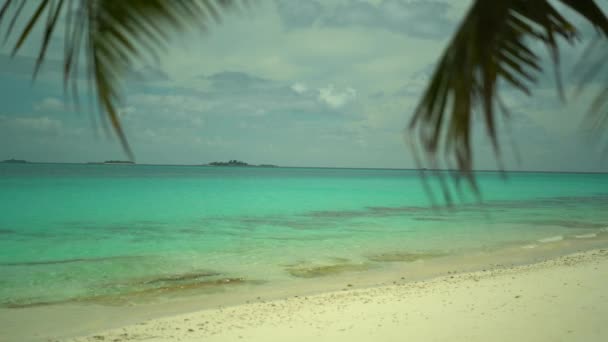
<point>86,232</point>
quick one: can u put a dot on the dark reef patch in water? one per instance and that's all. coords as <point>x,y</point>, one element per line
<point>319,218</point>
<point>253,222</point>
<point>7,231</point>
<point>403,256</point>
<point>395,210</point>
<point>366,212</point>
<point>437,219</point>
<point>317,237</point>
<point>192,231</point>
<point>183,277</point>
<point>136,294</point>
<point>314,271</point>
<point>140,226</point>
<point>206,284</point>
<point>333,214</point>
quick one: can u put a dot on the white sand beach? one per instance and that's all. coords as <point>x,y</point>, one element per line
<point>561,299</point>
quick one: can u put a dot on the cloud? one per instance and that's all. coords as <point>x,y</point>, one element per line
<point>24,65</point>
<point>417,82</point>
<point>236,80</point>
<point>298,14</point>
<point>335,98</point>
<point>148,74</point>
<point>31,124</point>
<point>299,88</point>
<point>125,112</point>
<point>50,104</point>
<point>223,103</point>
<point>237,94</point>
<point>421,19</point>
<point>424,19</point>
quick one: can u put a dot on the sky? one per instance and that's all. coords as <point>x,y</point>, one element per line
<point>291,83</point>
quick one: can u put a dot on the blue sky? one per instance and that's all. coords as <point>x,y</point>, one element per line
<point>293,83</point>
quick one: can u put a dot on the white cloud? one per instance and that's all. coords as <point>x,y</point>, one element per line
<point>335,98</point>
<point>420,19</point>
<point>50,104</point>
<point>171,104</point>
<point>40,124</point>
<point>299,88</point>
<point>44,124</point>
<point>126,111</point>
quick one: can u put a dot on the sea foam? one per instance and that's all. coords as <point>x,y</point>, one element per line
<point>530,246</point>
<point>551,239</point>
<point>586,236</point>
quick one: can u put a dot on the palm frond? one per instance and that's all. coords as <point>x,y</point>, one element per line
<point>489,48</point>
<point>590,11</point>
<point>113,36</point>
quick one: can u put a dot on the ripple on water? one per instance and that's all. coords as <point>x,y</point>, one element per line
<point>435,219</point>
<point>585,236</point>
<point>395,210</point>
<point>306,270</point>
<point>335,214</point>
<point>69,261</point>
<point>182,277</point>
<point>133,294</point>
<point>564,223</point>
<point>551,239</point>
<point>530,246</point>
<point>253,222</point>
<point>403,256</point>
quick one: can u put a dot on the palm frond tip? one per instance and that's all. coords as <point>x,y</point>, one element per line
<point>488,49</point>
<point>112,35</point>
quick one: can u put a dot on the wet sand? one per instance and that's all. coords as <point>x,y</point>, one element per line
<point>560,299</point>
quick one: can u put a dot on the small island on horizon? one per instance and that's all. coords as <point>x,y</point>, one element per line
<point>238,163</point>
<point>15,161</point>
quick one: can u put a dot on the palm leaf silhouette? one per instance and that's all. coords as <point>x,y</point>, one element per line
<point>109,35</point>
<point>489,48</point>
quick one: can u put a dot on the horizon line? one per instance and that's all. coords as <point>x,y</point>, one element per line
<point>327,167</point>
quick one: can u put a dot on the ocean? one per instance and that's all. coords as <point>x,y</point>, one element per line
<point>117,234</point>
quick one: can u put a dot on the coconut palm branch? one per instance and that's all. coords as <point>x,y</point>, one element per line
<point>490,47</point>
<point>107,37</point>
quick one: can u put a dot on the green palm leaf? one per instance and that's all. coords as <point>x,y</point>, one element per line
<point>112,35</point>
<point>489,48</point>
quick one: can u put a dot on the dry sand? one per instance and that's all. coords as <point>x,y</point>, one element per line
<point>563,299</point>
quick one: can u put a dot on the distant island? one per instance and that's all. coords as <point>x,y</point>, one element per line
<point>238,163</point>
<point>230,163</point>
<point>14,161</point>
<point>118,162</point>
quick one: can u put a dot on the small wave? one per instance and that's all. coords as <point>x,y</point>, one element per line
<point>605,229</point>
<point>529,246</point>
<point>67,261</point>
<point>573,224</point>
<point>586,236</point>
<point>403,256</point>
<point>314,271</point>
<point>551,239</point>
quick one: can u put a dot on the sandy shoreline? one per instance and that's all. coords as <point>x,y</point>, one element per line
<point>562,299</point>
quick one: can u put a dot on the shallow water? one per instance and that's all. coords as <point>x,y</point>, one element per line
<point>109,233</point>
